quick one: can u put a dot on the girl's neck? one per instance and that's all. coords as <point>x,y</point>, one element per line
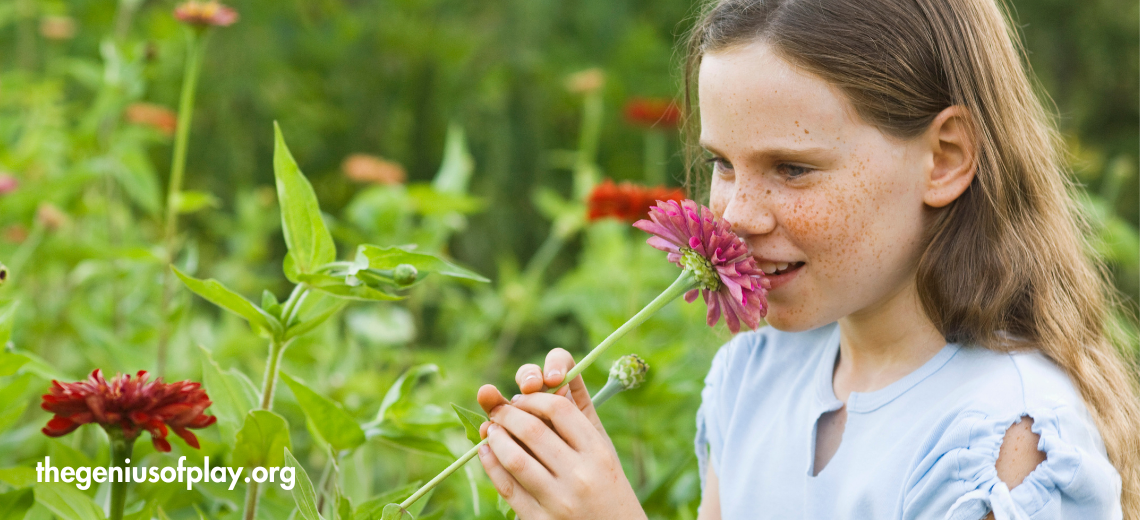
<point>881,344</point>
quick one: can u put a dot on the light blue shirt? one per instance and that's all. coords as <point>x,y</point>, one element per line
<point>923,447</point>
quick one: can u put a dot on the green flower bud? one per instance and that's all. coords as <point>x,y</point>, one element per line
<point>630,371</point>
<point>405,274</point>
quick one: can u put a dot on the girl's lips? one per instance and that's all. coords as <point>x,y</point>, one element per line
<point>783,278</point>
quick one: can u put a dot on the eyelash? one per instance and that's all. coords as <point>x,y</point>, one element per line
<point>716,162</point>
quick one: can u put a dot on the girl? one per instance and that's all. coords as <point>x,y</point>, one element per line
<point>936,344</point>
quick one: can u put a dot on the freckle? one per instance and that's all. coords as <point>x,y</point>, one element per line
<point>805,131</point>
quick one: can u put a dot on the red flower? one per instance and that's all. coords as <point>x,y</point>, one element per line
<point>202,14</point>
<point>652,113</point>
<point>626,201</point>
<point>155,116</point>
<point>130,404</point>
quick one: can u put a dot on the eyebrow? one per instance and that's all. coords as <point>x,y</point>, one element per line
<point>776,151</point>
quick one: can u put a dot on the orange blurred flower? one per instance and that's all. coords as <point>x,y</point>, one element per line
<point>652,113</point>
<point>627,201</point>
<point>203,14</point>
<point>586,81</point>
<point>50,216</point>
<point>57,27</point>
<point>369,168</point>
<point>155,116</point>
<point>16,233</point>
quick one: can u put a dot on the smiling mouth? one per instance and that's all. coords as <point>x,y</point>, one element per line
<point>779,269</point>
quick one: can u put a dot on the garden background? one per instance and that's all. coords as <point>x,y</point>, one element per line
<point>493,121</point>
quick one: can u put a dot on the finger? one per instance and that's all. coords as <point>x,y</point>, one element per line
<point>536,436</point>
<point>530,474</point>
<point>558,364</point>
<point>529,378</point>
<point>505,484</point>
<point>571,425</point>
<point>489,397</point>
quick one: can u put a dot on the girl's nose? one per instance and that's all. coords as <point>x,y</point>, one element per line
<point>750,212</point>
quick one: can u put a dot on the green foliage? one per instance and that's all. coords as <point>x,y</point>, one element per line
<point>67,502</point>
<point>303,492</point>
<point>260,440</point>
<point>336,426</point>
<point>309,241</point>
<point>471,421</point>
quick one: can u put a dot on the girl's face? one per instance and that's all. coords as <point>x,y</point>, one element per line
<point>829,203</point>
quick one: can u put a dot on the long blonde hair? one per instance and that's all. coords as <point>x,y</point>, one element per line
<point>1008,258</point>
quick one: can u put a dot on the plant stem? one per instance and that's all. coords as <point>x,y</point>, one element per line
<point>681,285</point>
<point>197,42</point>
<point>251,500</point>
<point>685,282</point>
<point>612,388</point>
<point>121,449</point>
<point>269,384</point>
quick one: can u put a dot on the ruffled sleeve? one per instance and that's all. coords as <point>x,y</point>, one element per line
<point>957,480</point>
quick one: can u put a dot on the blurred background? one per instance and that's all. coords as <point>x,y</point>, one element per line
<point>474,129</point>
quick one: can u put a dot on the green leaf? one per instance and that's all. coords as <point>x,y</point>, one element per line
<point>344,507</point>
<point>427,201</point>
<point>303,492</point>
<point>15,504</point>
<point>390,257</point>
<point>336,286</point>
<point>12,403</point>
<point>395,512</point>
<point>146,513</point>
<point>408,441</point>
<point>402,387</point>
<point>232,393</point>
<point>308,239</point>
<point>373,508</point>
<point>471,421</point>
<point>313,316</point>
<point>455,171</point>
<point>11,362</point>
<point>223,297</point>
<point>261,440</point>
<point>7,318</point>
<point>189,201</point>
<point>67,502</point>
<point>335,425</point>
<point>18,477</point>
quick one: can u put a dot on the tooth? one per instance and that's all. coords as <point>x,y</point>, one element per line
<point>768,268</point>
<point>781,266</point>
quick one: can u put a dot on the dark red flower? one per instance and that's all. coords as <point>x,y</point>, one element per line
<point>131,404</point>
<point>627,201</point>
<point>652,113</point>
<point>203,14</point>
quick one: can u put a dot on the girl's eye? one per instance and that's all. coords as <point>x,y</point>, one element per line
<point>792,171</point>
<point>719,164</point>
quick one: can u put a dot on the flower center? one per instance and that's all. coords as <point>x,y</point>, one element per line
<point>701,268</point>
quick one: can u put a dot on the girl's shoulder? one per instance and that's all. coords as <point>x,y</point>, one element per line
<point>768,351</point>
<point>993,391</point>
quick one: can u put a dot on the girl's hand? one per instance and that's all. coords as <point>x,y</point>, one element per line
<point>548,454</point>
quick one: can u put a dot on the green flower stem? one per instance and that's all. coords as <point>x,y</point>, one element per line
<point>121,449</point>
<point>276,349</point>
<point>612,388</point>
<point>293,304</point>
<point>251,492</point>
<point>681,285</point>
<point>197,43</point>
<point>655,157</point>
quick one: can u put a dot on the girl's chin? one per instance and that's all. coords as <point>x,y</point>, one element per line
<point>791,320</point>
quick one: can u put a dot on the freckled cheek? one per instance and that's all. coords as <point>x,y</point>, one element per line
<point>832,229</point>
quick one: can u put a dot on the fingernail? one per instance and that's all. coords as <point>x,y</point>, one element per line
<point>527,379</point>
<point>494,428</point>
<point>484,450</point>
<point>515,398</point>
<point>553,374</point>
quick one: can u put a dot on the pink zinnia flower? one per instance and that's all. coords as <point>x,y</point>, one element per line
<point>730,281</point>
<point>130,404</point>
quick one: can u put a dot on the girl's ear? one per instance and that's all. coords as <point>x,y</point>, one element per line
<point>954,148</point>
